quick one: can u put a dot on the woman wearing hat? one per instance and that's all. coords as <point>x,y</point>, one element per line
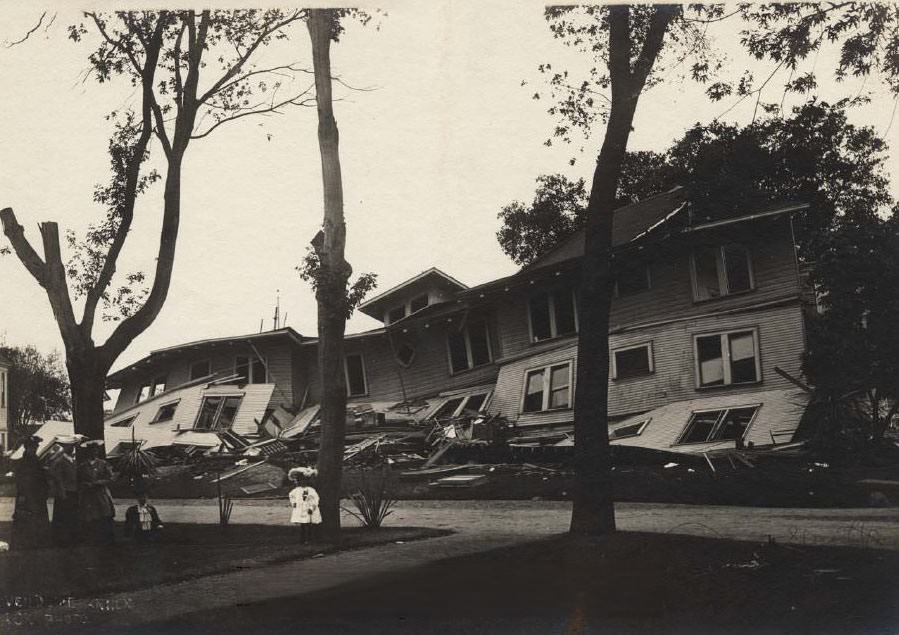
<point>95,501</point>
<point>31,523</point>
<point>64,480</point>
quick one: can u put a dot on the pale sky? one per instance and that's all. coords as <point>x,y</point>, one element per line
<point>445,138</point>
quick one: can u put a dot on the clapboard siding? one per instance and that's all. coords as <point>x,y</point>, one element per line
<point>222,360</point>
<point>428,374</point>
<point>779,414</point>
<point>671,293</point>
<point>252,408</point>
<point>781,344</point>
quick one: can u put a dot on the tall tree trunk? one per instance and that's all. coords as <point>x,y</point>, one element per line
<point>332,280</point>
<point>593,511</point>
<point>87,380</point>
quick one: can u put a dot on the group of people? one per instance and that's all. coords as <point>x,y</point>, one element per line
<point>83,509</point>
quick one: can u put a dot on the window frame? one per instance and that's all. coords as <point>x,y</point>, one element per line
<point>547,387</point>
<point>650,353</point>
<point>647,271</point>
<point>190,369</point>
<point>726,359</point>
<point>251,363</point>
<point>218,411</point>
<point>156,418</point>
<point>427,299</point>
<point>718,424</point>
<point>551,305</point>
<point>399,307</point>
<point>3,389</point>
<point>466,334</point>
<point>396,354</point>
<point>466,397</point>
<point>721,271</point>
<point>127,422</point>
<point>642,427</point>
<point>346,374</point>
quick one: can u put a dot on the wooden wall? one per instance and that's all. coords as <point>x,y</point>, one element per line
<point>781,344</point>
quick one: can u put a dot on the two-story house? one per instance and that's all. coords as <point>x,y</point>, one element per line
<point>706,319</point>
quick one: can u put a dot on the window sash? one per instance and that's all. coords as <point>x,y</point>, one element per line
<point>727,358</point>
<point>541,380</point>
<point>726,274</point>
<point>212,412</point>
<point>547,307</point>
<point>718,426</point>
<point>463,354</point>
<point>351,390</point>
<point>172,405</point>
<point>616,371</point>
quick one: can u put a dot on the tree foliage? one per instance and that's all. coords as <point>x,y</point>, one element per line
<point>37,388</point>
<point>816,156</point>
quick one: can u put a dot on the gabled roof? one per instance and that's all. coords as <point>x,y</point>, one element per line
<point>376,305</point>
<point>629,223</point>
<point>285,333</point>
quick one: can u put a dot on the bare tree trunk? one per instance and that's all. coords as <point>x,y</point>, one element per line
<point>332,280</point>
<point>593,512</point>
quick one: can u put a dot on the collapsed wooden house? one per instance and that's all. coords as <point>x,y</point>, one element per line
<point>703,313</point>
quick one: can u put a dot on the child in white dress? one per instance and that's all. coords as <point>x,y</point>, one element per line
<point>304,502</point>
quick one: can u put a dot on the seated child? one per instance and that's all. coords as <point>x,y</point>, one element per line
<point>142,522</point>
<point>304,501</point>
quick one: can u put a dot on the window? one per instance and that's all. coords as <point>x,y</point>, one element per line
<point>469,347</point>
<point>630,430</point>
<point>3,390</point>
<point>158,385</point>
<point>200,369</point>
<point>218,413</point>
<point>250,370</point>
<point>547,388</point>
<point>456,406</point>
<point>718,425</point>
<point>144,393</point>
<point>631,280</point>
<point>720,271</point>
<point>405,353</point>
<point>728,358</point>
<point>552,314</point>
<point>397,314</point>
<point>124,423</point>
<point>354,368</point>
<point>166,412</point>
<point>632,361</point>
<point>420,302</point>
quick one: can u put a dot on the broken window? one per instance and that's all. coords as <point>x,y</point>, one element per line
<point>218,413</point>
<point>355,375</point>
<point>158,385</point>
<point>728,358</point>
<point>419,303</point>
<point>547,388</point>
<point>633,361</point>
<point>200,369</point>
<point>632,279</point>
<point>476,403</point>
<point>469,347</point>
<point>718,425</point>
<point>719,271</point>
<point>396,314</point>
<point>166,412</point>
<point>448,409</point>
<point>552,314</point>
<point>630,430</point>
<point>123,423</point>
<point>456,406</point>
<point>250,370</point>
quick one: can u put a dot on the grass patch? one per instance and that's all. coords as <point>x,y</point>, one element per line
<point>187,551</point>
<point>626,583</point>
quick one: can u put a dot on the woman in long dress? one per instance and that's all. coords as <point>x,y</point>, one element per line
<point>31,522</point>
<point>95,504</point>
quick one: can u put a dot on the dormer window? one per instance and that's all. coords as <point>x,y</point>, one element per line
<point>250,371</point>
<point>419,303</point>
<point>470,347</point>
<point>396,314</point>
<point>720,271</point>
